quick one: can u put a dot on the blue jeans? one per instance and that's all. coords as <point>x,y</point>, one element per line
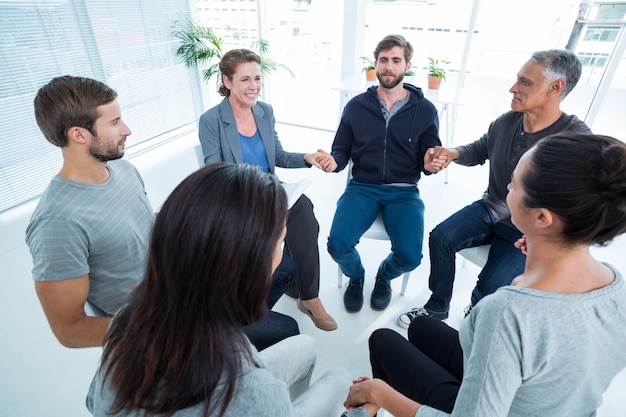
<point>403,214</point>
<point>474,225</point>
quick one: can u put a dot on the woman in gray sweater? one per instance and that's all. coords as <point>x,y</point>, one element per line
<point>177,348</point>
<point>550,343</point>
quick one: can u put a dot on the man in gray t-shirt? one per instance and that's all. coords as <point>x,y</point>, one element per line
<point>89,234</point>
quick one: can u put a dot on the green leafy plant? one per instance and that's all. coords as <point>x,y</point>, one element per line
<point>368,63</point>
<point>409,73</point>
<point>435,68</point>
<point>200,46</point>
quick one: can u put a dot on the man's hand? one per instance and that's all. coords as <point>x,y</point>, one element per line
<point>443,155</point>
<point>326,161</point>
<point>434,161</point>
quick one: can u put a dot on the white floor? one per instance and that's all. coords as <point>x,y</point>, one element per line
<point>38,377</point>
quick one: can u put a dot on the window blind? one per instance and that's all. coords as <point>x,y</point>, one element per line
<point>127,45</point>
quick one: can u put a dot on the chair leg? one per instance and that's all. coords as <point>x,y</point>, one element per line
<point>339,276</point>
<point>405,281</point>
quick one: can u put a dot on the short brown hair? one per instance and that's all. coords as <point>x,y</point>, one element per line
<point>68,101</point>
<point>390,41</point>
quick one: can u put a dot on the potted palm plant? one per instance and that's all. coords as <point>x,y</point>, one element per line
<point>369,68</point>
<point>200,46</point>
<point>436,72</point>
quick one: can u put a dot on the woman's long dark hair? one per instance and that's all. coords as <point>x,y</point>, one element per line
<point>208,273</point>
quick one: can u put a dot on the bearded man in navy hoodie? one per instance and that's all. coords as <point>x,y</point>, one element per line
<point>389,132</point>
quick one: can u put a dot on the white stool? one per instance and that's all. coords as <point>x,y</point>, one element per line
<point>477,255</point>
<point>376,231</point>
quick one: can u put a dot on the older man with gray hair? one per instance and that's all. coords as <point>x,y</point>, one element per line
<point>542,83</point>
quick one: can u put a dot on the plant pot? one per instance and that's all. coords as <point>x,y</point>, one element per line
<point>434,82</point>
<point>370,75</point>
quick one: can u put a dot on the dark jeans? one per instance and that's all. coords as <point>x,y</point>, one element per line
<point>403,215</point>
<point>428,368</point>
<point>472,226</point>
<point>275,327</point>
<point>301,245</point>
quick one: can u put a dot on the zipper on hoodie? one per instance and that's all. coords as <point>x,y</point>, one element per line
<point>386,135</point>
<point>385,150</point>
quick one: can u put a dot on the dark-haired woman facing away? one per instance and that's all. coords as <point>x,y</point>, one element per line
<point>178,347</point>
<point>547,345</point>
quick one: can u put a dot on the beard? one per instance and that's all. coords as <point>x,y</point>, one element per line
<point>390,84</point>
<point>104,152</point>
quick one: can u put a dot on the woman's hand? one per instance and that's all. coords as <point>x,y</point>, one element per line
<point>361,394</point>
<point>312,159</point>
<point>521,244</point>
<point>323,160</point>
<point>373,394</point>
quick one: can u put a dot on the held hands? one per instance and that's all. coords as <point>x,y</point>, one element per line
<point>362,394</point>
<point>433,162</point>
<point>325,161</point>
<point>311,159</point>
<point>322,160</point>
<point>439,158</point>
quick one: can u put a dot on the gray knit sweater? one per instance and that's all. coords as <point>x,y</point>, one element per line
<point>535,353</point>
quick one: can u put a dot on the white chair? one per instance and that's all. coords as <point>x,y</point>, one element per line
<point>376,231</point>
<point>477,255</point>
<point>198,150</point>
<point>93,311</point>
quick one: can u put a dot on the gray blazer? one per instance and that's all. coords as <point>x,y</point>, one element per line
<point>220,139</point>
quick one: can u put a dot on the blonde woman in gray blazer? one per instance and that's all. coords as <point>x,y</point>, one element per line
<point>241,129</point>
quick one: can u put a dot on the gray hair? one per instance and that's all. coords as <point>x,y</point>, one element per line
<point>560,64</point>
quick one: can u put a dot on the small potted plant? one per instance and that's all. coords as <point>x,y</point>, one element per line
<point>436,73</point>
<point>369,68</point>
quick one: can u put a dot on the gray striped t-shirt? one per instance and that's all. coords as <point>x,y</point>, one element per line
<point>97,229</point>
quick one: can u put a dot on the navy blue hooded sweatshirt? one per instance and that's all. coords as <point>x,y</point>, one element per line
<point>386,152</point>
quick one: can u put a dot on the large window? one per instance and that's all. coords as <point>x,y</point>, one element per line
<point>126,44</point>
<point>602,33</point>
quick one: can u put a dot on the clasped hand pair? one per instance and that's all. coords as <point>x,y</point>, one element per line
<point>435,159</point>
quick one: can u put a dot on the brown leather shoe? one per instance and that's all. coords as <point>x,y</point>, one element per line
<point>327,323</point>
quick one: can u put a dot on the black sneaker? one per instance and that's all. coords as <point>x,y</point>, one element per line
<point>404,320</point>
<point>381,295</point>
<point>353,297</point>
